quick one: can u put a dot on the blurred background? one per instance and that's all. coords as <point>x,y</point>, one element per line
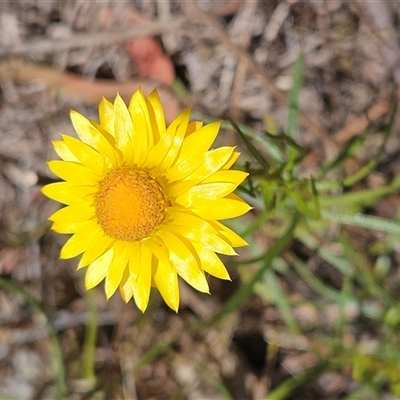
<point>313,310</point>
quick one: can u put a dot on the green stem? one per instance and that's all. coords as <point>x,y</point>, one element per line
<point>286,389</point>
<point>89,345</point>
<point>58,358</point>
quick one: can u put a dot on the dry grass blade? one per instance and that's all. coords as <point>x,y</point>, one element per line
<point>357,126</point>
<point>88,91</point>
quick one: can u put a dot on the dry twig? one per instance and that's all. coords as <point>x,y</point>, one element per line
<point>88,91</point>
<point>47,46</point>
<point>358,125</point>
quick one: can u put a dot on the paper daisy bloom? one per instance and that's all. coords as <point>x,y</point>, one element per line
<point>144,200</point>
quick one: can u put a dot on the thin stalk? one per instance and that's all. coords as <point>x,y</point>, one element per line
<point>89,345</point>
<point>57,354</point>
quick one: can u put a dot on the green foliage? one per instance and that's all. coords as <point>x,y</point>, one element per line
<point>331,210</point>
<point>324,214</point>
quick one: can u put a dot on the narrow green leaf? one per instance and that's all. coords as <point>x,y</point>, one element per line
<point>361,197</point>
<point>343,300</point>
<point>293,113</point>
<point>301,205</point>
<point>348,151</point>
<point>317,285</point>
<point>285,389</point>
<point>286,139</point>
<point>269,145</point>
<point>252,149</point>
<point>365,275</point>
<point>216,381</point>
<point>340,263</point>
<point>57,353</point>
<point>371,164</point>
<point>268,195</point>
<point>317,205</point>
<point>281,301</point>
<point>364,221</point>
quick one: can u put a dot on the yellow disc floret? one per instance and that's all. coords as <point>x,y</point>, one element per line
<point>129,205</point>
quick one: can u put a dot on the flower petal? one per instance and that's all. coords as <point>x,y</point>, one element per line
<point>166,281</point>
<point>213,161</point>
<point>236,177</point>
<point>200,140</point>
<point>201,166</point>
<point>208,240</point>
<point>77,212</point>
<point>106,115</point>
<point>107,147</point>
<point>229,235</point>
<point>73,172</point>
<point>177,188</point>
<point>206,172</point>
<point>125,286</point>
<point>77,243</point>
<point>158,248</point>
<point>85,154</point>
<point>177,141</point>
<point>134,258</point>
<point>188,220</point>
<point>67,227</point>
<point>142,136</point>
<point>63,151</point>
<point>116,270</point>
<point>229,207</point>
<point>232,160</point>
<point>142,284</point>
<point>98,269</point>
<point>153,99</point>
<point>123,128</point>
<point>184,261</point>
<point>193,127</point>
<point>95,248</point>
<point>85,130</point>
<point>185,168</point>
<point>211,263</point>
<point>204,193</point>
<point>165,151</point>
<point>67,192</point>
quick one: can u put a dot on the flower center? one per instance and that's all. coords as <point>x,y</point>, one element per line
<point>129,204</point>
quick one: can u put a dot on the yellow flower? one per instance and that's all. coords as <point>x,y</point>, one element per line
<point>143,199</point>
